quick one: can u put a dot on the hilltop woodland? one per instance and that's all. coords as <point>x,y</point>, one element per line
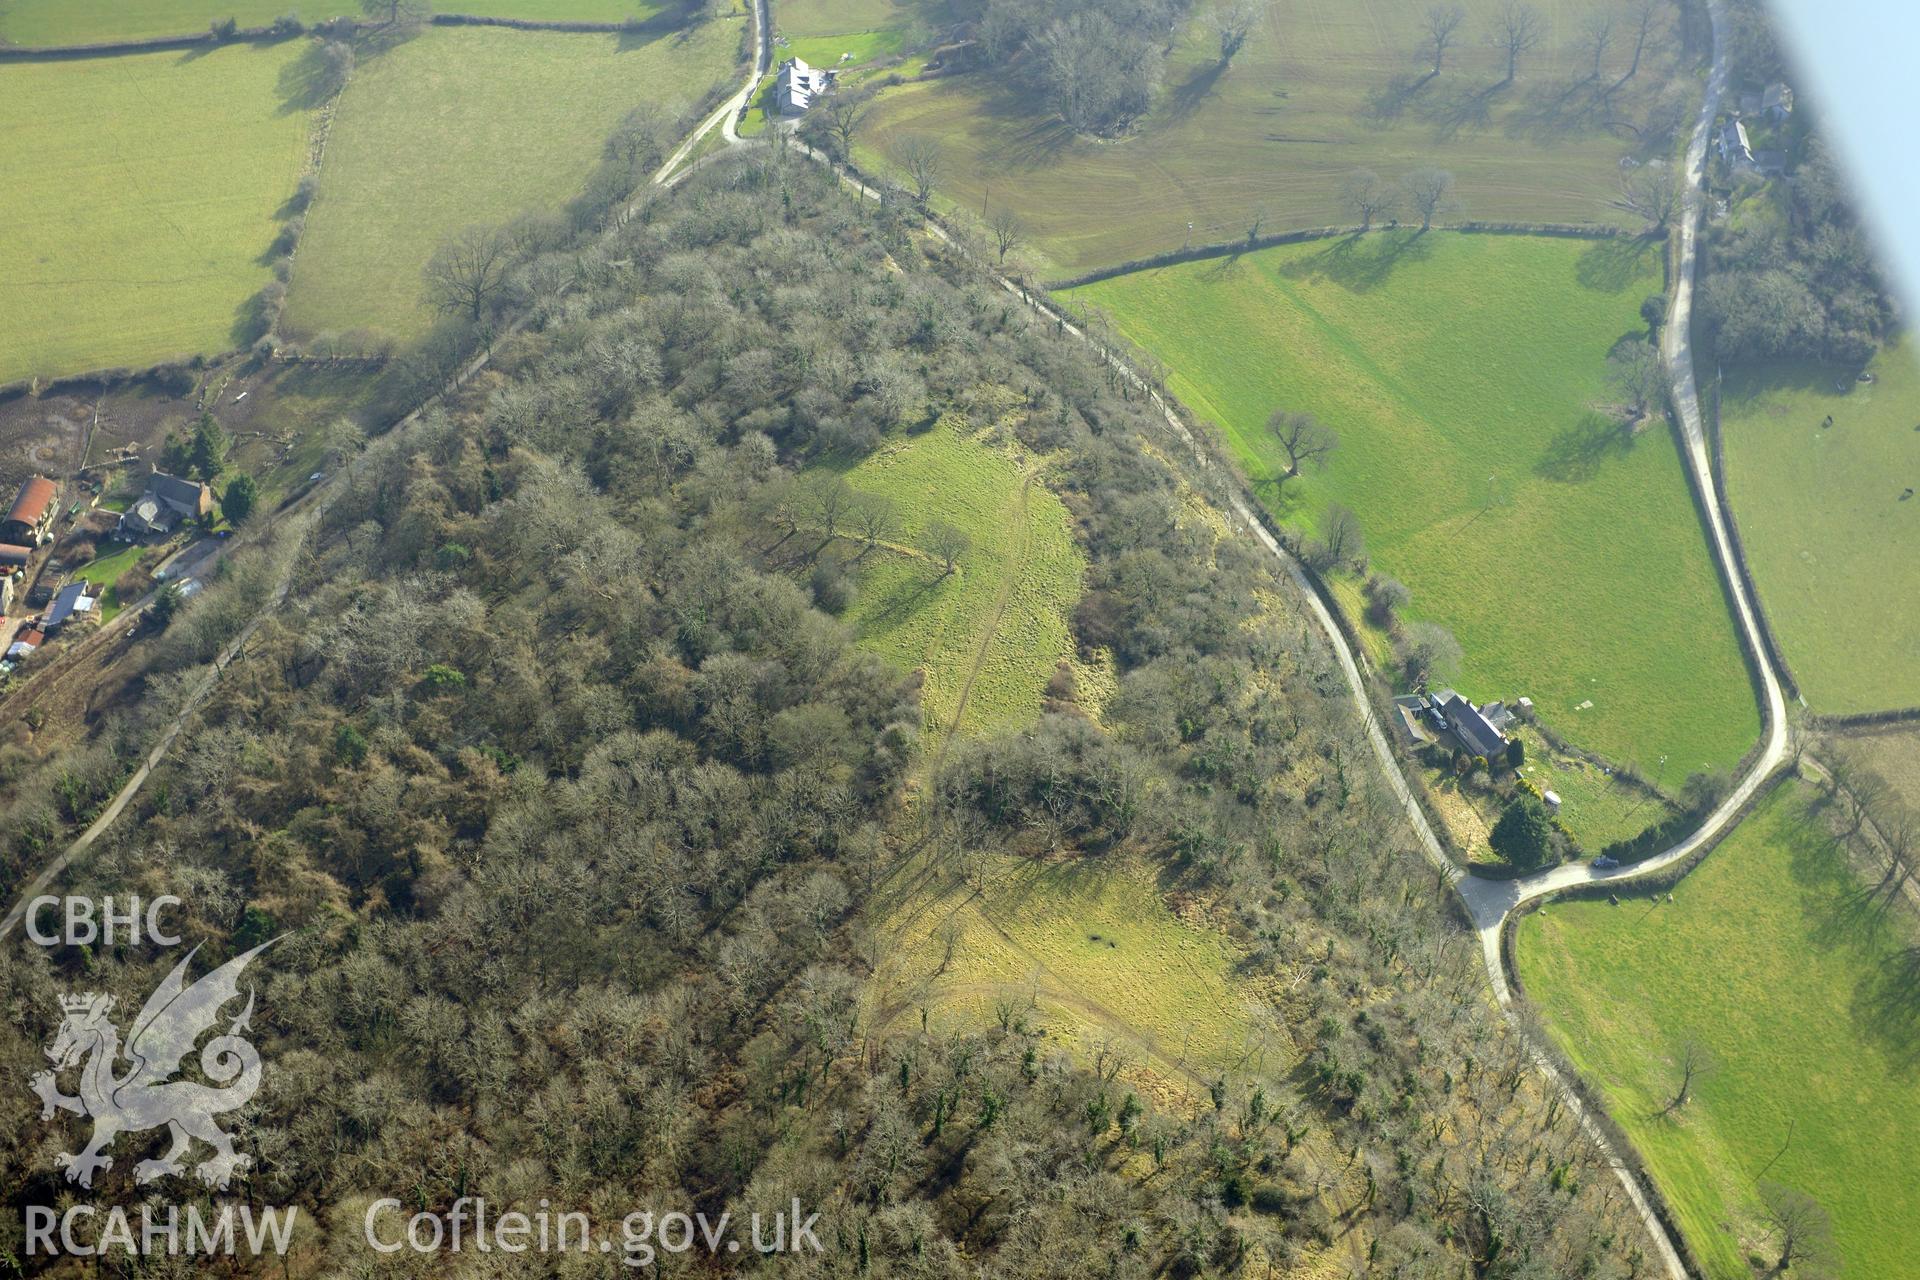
<point>568,799</point>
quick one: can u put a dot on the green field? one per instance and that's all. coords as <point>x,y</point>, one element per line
<point>469,126</point>
<point>1758,962</point>
<point>1310,98</point>
<point>1084,952</point>
<point>802,18</point>
<point>1460,372</point>
<point>53,22</point>
<point>138,195</point>
<point>989,637</point>
<point>1832,544</point>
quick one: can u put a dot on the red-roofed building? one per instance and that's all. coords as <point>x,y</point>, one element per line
<point>30,522</point>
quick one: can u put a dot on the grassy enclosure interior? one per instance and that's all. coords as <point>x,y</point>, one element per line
<point>1762,961</point>
<point>465,126</point>
<point>56,22</point>
<point>1088,952</point>
<point>1461,373</point>
<point>139,196</point>
<point>1831,521</point>
<point>1321,88</point>
<point>989,636</point>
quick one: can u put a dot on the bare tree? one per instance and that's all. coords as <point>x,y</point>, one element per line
<point>1305,442</point>
<point>467,274</point>
<point>1517,29</point>
<point>1695,1061</point>
<point>1256,219</point>
<point>841,118</point>
<point>1801,1230</point>
<point>1341,533</point>
<point>1645,15</point>
<point>1233,21</point>
<point>1596,37</point>
<point>877,518</point>
<point>1441,23</point>
<point>947,542</point>
<point>918,156</point>
<point>1430,192</point>
<point>1007,230</point>
<point>1635,376</point>
<point>1653,191</point>
<point>396,14</point>
<point>639,140</point>
<point>831,499</point>
<point>1368,196</point>
<point>1900,838</point>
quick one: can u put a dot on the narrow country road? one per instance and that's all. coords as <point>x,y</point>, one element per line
<point>1491,901</point>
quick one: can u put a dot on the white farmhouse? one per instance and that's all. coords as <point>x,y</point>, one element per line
<point>797,85</point>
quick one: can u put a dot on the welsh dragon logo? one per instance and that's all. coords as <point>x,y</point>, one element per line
<point>143,1093</point>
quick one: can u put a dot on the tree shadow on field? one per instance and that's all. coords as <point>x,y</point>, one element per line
<point>1554,112</point>
<point>1613,264</point>
<point>667,22</point>
<point>311,80</point>
<point>1027,134</point>
<point>906,603</point>
<point>1188,96</point>
<point>1576,454</point>
<point>1887,1007</point>
<point>1457,109</point>
<point>1841,916</point>
<point>1385,105</point>
<point>1362,262</point>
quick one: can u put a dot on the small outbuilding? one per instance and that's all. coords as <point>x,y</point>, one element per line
<point>25,643</point>
<point>70,603</point>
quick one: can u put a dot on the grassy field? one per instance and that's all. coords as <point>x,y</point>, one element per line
<point>990,636</point>
<point>1460,372</point>
<point>1086,952</point>
<point>469,126</point>
<point>802,18</point>
<point>1832,544</point>
<point>1322,87</point>
<point>139,196</point>
<point>51,22</point>
<point>1894,754</point>
<point>1757,961</point>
